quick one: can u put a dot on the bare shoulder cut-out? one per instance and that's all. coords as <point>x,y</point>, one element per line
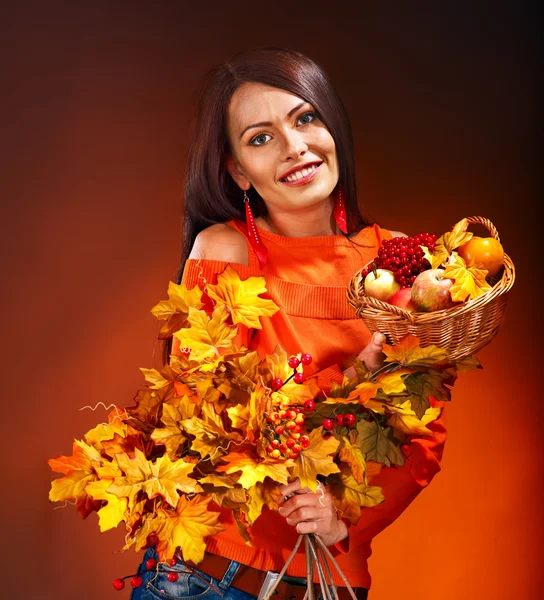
<point>220,242</point>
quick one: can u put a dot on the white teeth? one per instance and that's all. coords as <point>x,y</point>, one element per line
<point>302,173</point>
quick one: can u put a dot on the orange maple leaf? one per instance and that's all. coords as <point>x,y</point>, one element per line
<point>78,469</point>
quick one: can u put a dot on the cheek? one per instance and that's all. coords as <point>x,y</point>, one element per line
<point>326,142</point>
<point>258,166</point>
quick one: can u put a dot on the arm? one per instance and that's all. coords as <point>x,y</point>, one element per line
<point>315,513</point>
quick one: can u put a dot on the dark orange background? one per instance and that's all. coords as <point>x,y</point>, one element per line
<point>98,102</point>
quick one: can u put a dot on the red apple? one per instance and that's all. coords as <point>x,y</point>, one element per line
<point>381,284</point>
<point>403,299</point>
<point>431,291</point>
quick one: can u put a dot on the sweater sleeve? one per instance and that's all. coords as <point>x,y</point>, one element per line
<point>400,485</point>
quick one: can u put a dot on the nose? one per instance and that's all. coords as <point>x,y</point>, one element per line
<point>294,145</point>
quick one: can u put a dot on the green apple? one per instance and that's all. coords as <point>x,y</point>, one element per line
<point>381,284</point>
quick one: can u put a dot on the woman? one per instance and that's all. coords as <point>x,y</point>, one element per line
<point>270,189</point>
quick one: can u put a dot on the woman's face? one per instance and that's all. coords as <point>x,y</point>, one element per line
<point>280,147</point>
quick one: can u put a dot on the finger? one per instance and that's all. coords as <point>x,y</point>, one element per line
<point>372,355</point>
<point>308,513</point>
<point>309,527</point>
<point>302,500</point>
<point>292,488</point>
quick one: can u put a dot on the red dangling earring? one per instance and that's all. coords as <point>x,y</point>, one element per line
<point>339,211</point>
<point>254,239</point>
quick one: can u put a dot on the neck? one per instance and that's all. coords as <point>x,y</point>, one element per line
<point>316,221</point>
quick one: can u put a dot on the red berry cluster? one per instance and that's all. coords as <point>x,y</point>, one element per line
<point>297,376</point>
<point>287,426</point>
<point>347,420</point>
<point>136,581</point>
<point>404,257</point>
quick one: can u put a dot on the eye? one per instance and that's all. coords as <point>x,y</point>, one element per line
<point>311,115</point>
<point>255,142</point>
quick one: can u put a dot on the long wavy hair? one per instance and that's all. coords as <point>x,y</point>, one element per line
<point>211,195</point>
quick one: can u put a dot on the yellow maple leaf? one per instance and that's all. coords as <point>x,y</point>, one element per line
<point>435,260</point>
<point>155,378</point>
<point>468,282</point>
<point>349,495</point>
<point>106,431</point>
<point>343,390</point>
<point>113,513</point>
<point>219,480</point>
<point>250,417</point>
<point>352,455</point>
<point>408,352</point>
<point>210,436</point>
<point>193,521</point>
<point>316,459</point>
<point>389,383</point>
<point>431,414</point>
<point>265,493</point>
<point>175,310</point>
<point>405,422</point>
<point>447,243</point>
<point>156,523</point>
<point>253,469</point>
<point>172,435</point>
<point>242,298</point>
<point>205,336</point>
<point>242,370</point>
<point>160,478</point>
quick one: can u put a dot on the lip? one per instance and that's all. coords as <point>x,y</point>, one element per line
<point>312,175</point>
<point>299,167</point>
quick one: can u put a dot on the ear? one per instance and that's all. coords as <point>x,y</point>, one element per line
<point>233,167</point>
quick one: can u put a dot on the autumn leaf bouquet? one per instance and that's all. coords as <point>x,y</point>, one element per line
<point>222,426</point>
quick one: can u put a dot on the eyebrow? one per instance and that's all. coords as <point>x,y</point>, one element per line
<point>268,123</point>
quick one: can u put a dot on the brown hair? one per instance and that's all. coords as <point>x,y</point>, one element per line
<point>211,195</point>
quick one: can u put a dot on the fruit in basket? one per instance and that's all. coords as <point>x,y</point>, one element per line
<point>405,257</point>
<point>431,291</point>
<point>380,284</point>
<point>483,251</point>
<point>403,299</point>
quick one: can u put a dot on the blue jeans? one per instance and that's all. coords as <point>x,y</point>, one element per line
<point>157,587</point>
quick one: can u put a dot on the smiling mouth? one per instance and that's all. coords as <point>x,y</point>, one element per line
<point>301,174</point>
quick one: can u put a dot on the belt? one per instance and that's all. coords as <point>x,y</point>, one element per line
<point>250,580</point>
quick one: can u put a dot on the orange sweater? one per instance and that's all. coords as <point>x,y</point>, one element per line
<point>307,278</point>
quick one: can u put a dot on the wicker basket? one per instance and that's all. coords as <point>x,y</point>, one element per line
<point>462,330</point>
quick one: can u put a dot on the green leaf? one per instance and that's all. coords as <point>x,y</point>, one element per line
<point>379,444</point>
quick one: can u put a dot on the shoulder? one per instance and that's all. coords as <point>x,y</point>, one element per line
<point>220,242</point>
<point>397,234</point>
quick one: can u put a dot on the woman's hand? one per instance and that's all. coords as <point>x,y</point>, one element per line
<point>372,355</point>
<point>312,512</point>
